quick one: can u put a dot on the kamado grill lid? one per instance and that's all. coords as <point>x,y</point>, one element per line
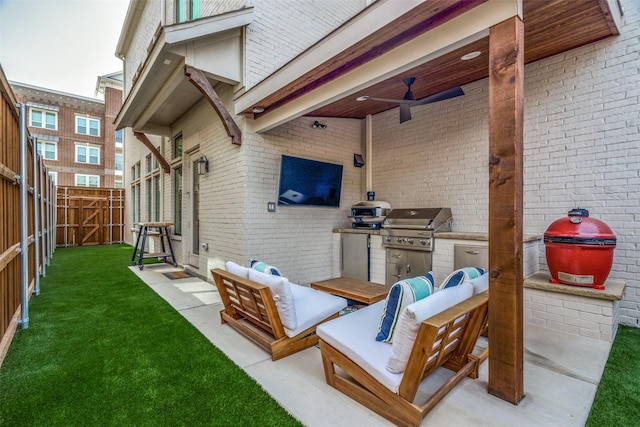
<point>578,228</point>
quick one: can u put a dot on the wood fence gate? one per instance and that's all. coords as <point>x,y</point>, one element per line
<point>90,216</point>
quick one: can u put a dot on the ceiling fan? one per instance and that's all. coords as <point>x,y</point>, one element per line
<point>410,100</point>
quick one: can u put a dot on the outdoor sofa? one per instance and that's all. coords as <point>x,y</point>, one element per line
<point>279,316</point>
<point>440,330</point>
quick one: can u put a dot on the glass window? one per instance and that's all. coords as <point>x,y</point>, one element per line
<point>177,200</point>
<point>85,154</point>
<point>149,199</point>
<point>149,163</point>
<point>119,134</point>
<point>177,146</point>
<point>54,177</point>
<point>187,10</point>
<point>43,119</point>
<point>48,150</point>
<point>87,126</point>
<point>87,180</point>
<point>156,198</point>
<point>119,162</point>
<point>135,193</point>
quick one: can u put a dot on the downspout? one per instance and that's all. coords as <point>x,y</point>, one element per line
<point>24,223</point>
<point>36,216</point>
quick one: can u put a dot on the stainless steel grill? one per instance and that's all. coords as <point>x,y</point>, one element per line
<point>414,228</point>
<point>407,235</point>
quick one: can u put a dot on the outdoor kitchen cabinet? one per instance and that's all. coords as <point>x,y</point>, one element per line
<point>354,255</point>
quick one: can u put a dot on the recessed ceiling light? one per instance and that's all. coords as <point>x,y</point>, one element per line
<point>470,55</point>
<point>166,62</point>
<point>258,109</point>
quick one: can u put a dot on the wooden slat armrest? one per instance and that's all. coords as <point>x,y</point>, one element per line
<point>253,294</point>
<point>441,319</point>
<point>250,309</point>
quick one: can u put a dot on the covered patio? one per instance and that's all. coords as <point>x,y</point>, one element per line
<point>561,381</point>
<point>425,40</point>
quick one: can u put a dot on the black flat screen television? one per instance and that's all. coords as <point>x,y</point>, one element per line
<point>305,182</point>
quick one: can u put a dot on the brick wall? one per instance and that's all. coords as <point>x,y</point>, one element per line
<point>581,148</point>
<point>69,106</point>
<point>283,29</point>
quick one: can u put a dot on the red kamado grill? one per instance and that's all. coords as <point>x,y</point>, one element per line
<point>579,250</point>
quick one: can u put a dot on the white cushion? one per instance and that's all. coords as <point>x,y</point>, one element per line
<point>281,292</point>
<point>480,284</point>
<point>414,314</point>
<point>354,336</point>
<point>312,307</point>
<point>238,270</point>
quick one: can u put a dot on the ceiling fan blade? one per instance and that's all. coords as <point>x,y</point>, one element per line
<point>405,112</point>
<point>440,96</point>
<point>394,101</point>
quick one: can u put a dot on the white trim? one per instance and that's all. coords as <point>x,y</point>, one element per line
<point>87,177</point>
<point>44,113</point>
<point>89,119</point>
<point>89,147</point>
<point>204,27</point>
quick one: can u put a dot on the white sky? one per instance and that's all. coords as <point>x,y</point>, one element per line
<point>62,45</point>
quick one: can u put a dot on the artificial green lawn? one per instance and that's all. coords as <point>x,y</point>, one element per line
<point>103,349</point>
<point>617,402</point>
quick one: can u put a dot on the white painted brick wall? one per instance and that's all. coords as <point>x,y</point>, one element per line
<point>581,148</point>
<point>574,314</point>
<point>299,240</point>
<point>283,29</point>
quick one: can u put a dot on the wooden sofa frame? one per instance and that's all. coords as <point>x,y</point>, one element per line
<point>435,337</point>
<point>250,309</point>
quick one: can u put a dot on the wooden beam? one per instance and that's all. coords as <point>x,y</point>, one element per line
<point>506,101</point>
<point>199,80</point>
<point>143,138</point>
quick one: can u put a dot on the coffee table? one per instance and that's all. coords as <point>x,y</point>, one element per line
<point>354,289</point>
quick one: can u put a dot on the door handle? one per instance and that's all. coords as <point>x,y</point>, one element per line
<point>408,270</point>
<point>472,252</point>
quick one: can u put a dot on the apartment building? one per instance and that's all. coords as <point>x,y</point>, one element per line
<point>76,135</point>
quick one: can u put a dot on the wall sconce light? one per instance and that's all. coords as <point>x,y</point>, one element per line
<point>358,160</point>
<point>317,125</point>
<point>202,165</point>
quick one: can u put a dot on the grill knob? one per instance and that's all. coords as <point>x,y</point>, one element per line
<point>409,241</point>
<point>387,239</point>
<point>399,240</point>
<point>423,242</point>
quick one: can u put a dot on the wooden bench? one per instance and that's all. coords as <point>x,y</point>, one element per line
<point>250,309</point>
<point>444,340</point>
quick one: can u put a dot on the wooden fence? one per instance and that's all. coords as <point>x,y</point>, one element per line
<point>27,217</point>
<point>90,216</point>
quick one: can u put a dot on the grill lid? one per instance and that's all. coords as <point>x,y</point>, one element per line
<point>436,219</point>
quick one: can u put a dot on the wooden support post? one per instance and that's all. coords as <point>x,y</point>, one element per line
<point>506,99</point>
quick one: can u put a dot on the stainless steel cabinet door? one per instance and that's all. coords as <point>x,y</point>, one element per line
<point>354,261</point>
<point>402,263</point>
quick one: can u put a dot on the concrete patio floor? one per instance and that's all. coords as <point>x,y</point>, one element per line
<point>562,371</point>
